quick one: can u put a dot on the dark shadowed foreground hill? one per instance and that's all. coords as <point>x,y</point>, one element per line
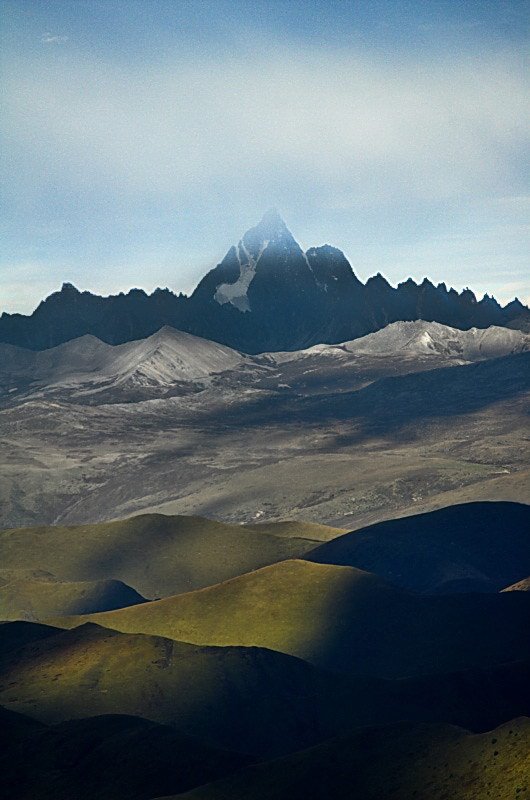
<point>402,762</point>
<point>14,635</point>
<point>247,699</point>
<point>103,758</point>
<point>244,699</point>
<point>464,548</point>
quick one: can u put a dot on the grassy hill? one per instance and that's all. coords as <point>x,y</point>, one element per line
<point>246,699</point>
<point>296,529</point>
<point>468,547</point>
<point>402,762</point>
<point>103,758</point>
<point>158,555</point>
<point>37,598</point>
<point>339,618</point>
<point>243,699</point>
<point>14,635</point>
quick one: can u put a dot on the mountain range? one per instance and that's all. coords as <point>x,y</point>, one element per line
<point>171,362</point>
<point>267,294</point>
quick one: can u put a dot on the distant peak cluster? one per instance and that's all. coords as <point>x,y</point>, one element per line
<point>266,294</point>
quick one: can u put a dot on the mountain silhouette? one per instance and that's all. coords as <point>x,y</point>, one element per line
<point>266,294</point>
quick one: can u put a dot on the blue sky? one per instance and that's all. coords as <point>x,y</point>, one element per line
<point>141,139</point>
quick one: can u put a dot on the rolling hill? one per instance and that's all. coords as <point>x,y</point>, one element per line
<point>432,338</point>
<point>418,340</point>
<point>461,548</point>
<point>158,555</point>
<point>244,699</point>
<point>29,598</point>
<point>103,758</point>
<point>420,761</point>
<point>339,618</point>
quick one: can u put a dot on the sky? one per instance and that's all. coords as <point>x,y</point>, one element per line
<point>139,140</point>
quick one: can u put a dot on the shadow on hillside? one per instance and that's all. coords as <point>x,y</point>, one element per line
<point>255,700</point>
<point>462,659</point>
<point>390,406</point>
<point>470,547</point>
<point>393,634</point>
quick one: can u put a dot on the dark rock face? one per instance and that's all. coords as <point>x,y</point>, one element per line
<point>266,294</point>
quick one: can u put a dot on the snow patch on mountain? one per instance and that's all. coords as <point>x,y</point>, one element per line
<point>236,293</point>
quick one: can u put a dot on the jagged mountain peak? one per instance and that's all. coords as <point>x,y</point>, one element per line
<point>266,294</point>
<point>272,224</point>
<point>69,287</point>
<point>378,281</point>
<point>325,250</point>
<point>331,268</point>
<point>66,294</point>
<point>268,247</point>
<point>270,232</point>
<point>268,268</point>
<point>515,304</point>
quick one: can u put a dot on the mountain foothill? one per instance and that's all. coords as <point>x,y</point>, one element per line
<point>271,540</point>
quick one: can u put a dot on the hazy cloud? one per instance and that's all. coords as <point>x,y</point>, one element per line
<point>51,38</point>
<point>432,131</point>
<point>411,165</point>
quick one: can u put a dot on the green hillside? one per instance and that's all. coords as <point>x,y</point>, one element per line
<point>246,699</point>
<point>339,618</point>
<point>296,529</point>
<point>157,555</point>
<point>38,598</point>
<point>103,758</point>
<point>402,762</point>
